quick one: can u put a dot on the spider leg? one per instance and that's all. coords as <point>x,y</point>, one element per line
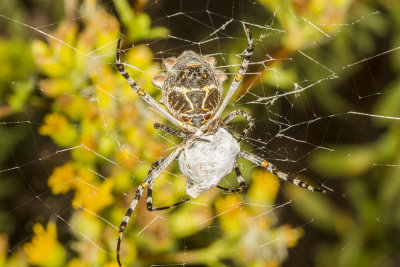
<point>169,130</point>
<point>150,192</point>
<point>238,78</point>
<point>272,169</point>
<point>242,184</point>
<point>145,96</point>
<point>139,192</point>
<point>245,115</point>
<point>174,132</point>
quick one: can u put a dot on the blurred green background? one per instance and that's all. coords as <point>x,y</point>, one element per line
<point>75,141</point>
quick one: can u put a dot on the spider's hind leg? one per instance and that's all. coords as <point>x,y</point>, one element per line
<point>149,200</point>
<point>281,175</point>
<point>242,184</point>
<point>244,114</point>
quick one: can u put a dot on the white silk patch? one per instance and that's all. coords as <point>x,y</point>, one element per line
<point>205,163</point>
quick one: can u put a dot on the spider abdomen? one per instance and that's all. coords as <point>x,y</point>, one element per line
<point>208,160</point>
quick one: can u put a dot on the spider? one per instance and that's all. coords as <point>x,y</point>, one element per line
<point>191,94</point>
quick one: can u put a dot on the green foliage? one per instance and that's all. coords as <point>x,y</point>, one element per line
<point>367,214</point>
<point>16,85</point>
<point>138,26</point>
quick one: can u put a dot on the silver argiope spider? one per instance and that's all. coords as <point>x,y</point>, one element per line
<point>191,92</point>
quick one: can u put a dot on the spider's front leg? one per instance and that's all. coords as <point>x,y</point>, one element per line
<point>145,96</point>
<point>150,191</point>
<point>245,115</point>
<point>139,192</point>
<point>176,133</point>
<point>272,169</point>
<point>162,127</point>
<point>238,78</point>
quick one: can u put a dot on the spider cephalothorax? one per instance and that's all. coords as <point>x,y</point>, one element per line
<point>191,87</point>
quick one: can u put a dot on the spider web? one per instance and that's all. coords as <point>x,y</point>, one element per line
<point>319,86</point>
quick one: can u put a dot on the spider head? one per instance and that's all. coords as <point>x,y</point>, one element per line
<point>191,87</point>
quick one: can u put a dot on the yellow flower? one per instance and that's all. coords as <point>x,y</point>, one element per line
<point>93,197</point>
<point>264,187</point>
<point>145,69</point>
<point>230,210</point>
<point>89,193</point>
<point>291,235</point>
<point>56,87</point>
<point>74,263</point>
<point>3,248</point>
<point>53,123</point>
<point>44,249</point>
<point>127,157</point>
<point>111,264</point>
<point>62,179</point>
<point>87,152</point>
<point>43,55</point>
<point>229,205</point>
<point>74,106</point>
<point>59,129</point>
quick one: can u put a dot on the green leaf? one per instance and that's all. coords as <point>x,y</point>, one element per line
<point>21,92</point>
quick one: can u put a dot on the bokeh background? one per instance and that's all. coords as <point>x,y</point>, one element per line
<point>75,141</point>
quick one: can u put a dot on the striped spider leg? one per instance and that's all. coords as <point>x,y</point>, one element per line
<point>250,124</point>
<point>199,92</point>
<point>238,78</point>
<point>191,94</point>
<point>281,175</point>
<point>242,184</point>
<point>244,114</point>
<point>149,200</point>
<point>146,97</point>
<point>147,182</point>
<point>258,160</point>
